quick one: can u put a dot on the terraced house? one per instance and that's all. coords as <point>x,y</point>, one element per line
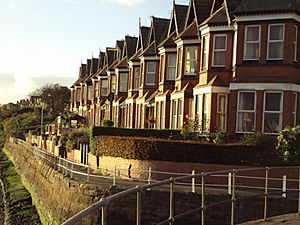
<point>230,65</point>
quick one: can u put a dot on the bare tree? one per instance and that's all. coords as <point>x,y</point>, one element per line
<point>55,97</point>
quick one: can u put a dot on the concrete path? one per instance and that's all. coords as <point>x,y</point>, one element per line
<point>289,219</point>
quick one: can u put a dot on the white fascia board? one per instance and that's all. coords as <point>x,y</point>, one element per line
<point>130,101</point>
<point>283,16</point>
<point>179,95</point>
<point>205,29</point>
<point>265,86</point>
<point>165,50</point>
<point>211,89</point>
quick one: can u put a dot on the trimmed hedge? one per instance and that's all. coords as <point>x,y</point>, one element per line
<point>186,151</point>
<point>114,131</point>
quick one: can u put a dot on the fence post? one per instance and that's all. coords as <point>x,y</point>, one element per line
<point>193,182</point>
<point>284,186</point>
<point>233,198</point>
<point>138,206</point>
<point>202,199</point>
<point>115,174</point>
<point>88,177</point>
<point>229,183</point>
<point>58,168</point>
<point>171,217</point>
<point>72,169</point>
<point>149,175</point>
<point>104,214</point>
<point>266,194</point>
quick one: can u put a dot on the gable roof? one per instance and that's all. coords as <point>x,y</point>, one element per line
<point>169,41</point>
<point>129,46</point>
<point>178,18</point>
<point>266,6</point>
<point>122,63</point>
<point>191,32</point>
<point>143,38</point>
<point>101,60</point>
<point>219,17</point>
<point>81,75</point>
<point>199,10</point>
<point>158,30</point>
<point>150,50</point>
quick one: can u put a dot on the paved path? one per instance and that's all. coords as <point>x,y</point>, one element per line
<point>289,219</point>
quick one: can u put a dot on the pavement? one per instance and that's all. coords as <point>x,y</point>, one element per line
<point>289,219</point>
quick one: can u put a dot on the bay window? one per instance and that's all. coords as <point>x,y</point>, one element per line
<point>294,112</point>
<point>252,42</point>
<point>219,53</point>
<point>158,116</point>
<point>90,92</point>
<point>180,114</point>
<point>174,114</point>
<point>205,44</point>
<point>113,83</point>
<point>276,41</point>
<point>191,60</point>
<point>205,113</point>
<point>104,85</point>
<point>246,112</point>
<point>272,122</point>
<point>96,85</point>
<point>123,82</point>
<point>179,61</point>
<point>171,67</point>
<point>222,112</point>
<point>295,44</point>
<point>137,77</point>
<point>150,78</point>
<point>162,68</point>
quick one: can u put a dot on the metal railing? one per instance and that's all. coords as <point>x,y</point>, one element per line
<point>235,180</point>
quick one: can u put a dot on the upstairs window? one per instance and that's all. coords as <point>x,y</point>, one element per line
<point>150,73</point>
<point>294,112</point>
<point>104,87</point>
<point>171,67</point>
<point>96,84</point>
<point>113,83</point>
<point>191,60</point>
<point>78,97</point>
<point>90,92</point>
<point>205,45</point>
<point>252,43</point>
<point>136,77</point>
<point>219,55</point>
<point>123,82</point>
<point>276,41</point>
<point>179,62</point>
<point>295,44</point>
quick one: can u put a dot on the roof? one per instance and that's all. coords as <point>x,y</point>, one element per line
<point>136,56</point>
<point>169,41</point>
<point>144,36</point>
<point>159,29</point>
<point>101,60</point>
<point>181,13</point>
<point>130,46</point>
<point>265,6</point>
<point>190,32</point>
<point>219,17</point>
<point>122,63</point>
<point>202,9</point>
<point>150,50</point>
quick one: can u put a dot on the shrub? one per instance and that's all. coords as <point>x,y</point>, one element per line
<point>107,123</point>
<point>289,145</point>
<point>219,137</point>
<point>69,139</point>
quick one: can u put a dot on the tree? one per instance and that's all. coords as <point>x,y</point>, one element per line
<point>55,97</point>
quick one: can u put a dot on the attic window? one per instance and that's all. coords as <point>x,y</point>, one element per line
<point>220,46</point>
<point>252,40</point>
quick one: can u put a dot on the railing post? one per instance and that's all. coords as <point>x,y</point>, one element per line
<point>193,182</point>
<point>72,169</point>
<point>149,175</point>
<point>171,216</point>
<point>58,168</point>
<point>299,192</point>
<point>115,174</point>
<point>202,199</point>
<point>266,193</point>
<point>233,198</point>
<point>88,175</point>
<point>284,186</point>
<point>138,206</point>
<point>104,215</point>
<point>229,183</point>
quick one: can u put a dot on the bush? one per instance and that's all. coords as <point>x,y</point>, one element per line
<point>289,145</point>
<point>185,151</point>
<point>113,131</point>
<point>107,123</point>
<point>69,139</point>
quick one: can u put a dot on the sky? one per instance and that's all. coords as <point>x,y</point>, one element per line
<point>44,41</point>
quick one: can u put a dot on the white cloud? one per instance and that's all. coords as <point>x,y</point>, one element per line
<point>89,2</point>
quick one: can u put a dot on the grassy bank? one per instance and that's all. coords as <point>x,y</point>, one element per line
<point>20,208</point>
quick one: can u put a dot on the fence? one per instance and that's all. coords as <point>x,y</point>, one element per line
<point>261,182</point>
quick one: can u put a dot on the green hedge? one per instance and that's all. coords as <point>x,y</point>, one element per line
<point>114,131</point>
<point>186,151</point>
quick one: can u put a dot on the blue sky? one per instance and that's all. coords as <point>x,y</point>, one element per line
<point>44,40</point>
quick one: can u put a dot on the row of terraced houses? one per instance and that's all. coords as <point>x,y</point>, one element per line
<point>231,65</point>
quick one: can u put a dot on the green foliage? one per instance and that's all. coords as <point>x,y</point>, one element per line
<point>289,145</point>
<point>190,130</point>
<point>258,139</point>
<point>68,139</point>
<point>219,137</point>
<point>107,123</point>
<point>93,142</point>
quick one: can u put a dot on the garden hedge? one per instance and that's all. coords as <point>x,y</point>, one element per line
<point>186,151</point>
<point>114,131</point>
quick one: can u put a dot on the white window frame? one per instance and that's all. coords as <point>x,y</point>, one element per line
<point>252,42</point>
<point>275,41</point>
<point>180,110</point>
<point>158,116</point>
<point>174,114</point>
<point>151,73</point>
<point>162,115</point>
<point>219,50</point>
<point>244,111</point>
<point>205,111</point>
<point>295,42</point>
<point>205,52</point>
<point>179,62</point>
<point>294,112</point>
<point>219,113</point>
<point>89,92</point>
<point>162,67</point>
<point>171,67</point>
<point>191,60</point>
<point>103,87</point>
<point>279,112</point>
<point>137,82</point>
<point>123,75</point>
<point>113,83</point>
